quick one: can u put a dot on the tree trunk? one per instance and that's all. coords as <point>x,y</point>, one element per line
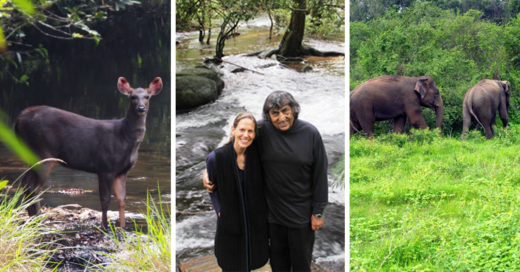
<point>272,23</point>
<point>202,32</point>
<point>209,25</point>
<point>291,44</point>
<point>228,26</point>
<point>202,21</point>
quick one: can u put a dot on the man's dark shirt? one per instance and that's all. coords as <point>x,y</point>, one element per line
<point>295,172</point>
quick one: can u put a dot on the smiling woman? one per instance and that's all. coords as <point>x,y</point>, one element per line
<point>241,238</point>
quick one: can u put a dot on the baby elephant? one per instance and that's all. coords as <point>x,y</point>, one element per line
<point>481,103</point>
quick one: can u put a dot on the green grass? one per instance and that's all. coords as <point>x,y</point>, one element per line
<point>21,245</point>
<point>144,251</point>
<point>429,203</point>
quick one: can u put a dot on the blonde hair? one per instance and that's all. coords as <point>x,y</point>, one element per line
<point>240,117</point>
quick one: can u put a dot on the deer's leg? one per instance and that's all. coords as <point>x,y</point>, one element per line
<point>31,188</point>
<point>33,181</point>
<point>119,189</point>
<point>105,183</point>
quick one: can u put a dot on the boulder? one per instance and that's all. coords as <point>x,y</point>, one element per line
<point>197,86</point>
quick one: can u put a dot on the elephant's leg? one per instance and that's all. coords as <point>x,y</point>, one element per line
<point>368,127</point>
<point>502,112</point>
<point>466,123</point>
<point>366,121</point>
<point>399,123</point>
<point>488,129</point>
<point>416,117</point>
<point>355,127</point>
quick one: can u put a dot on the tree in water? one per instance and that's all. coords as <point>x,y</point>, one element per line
<point>232,12</point>
<point>291,45</point>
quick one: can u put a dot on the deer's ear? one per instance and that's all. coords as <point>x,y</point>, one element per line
<point>123,86</point>
<point>155,86</point>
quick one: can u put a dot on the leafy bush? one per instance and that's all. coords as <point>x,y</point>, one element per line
<point>424,136</point>
<point>394,138</point>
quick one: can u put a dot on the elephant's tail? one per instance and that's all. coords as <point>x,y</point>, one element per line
<point>470,108</point>
<point>354,127</point>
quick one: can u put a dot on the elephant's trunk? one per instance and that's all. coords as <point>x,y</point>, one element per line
<point>439,113</point>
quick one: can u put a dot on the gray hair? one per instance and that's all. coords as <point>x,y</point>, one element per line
<point>279,99</point>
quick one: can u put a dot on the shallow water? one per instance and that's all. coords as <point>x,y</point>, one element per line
<point>90,89</point>
<point>321,95</point>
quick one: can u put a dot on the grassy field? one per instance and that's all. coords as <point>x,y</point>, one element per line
<point>423,202</point>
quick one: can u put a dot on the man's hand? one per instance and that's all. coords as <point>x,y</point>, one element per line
<point>317,223</point>
<point>206,182</point>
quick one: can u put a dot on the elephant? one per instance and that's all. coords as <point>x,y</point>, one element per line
<point>394,97</point>
<point>481,103</point>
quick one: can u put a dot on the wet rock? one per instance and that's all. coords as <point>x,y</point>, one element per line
<point>197,86</point>
<point>290,60</point>
<point>238,70</point>
<point>307,69</point>
<point>267,65</point>
<point>78,240</point>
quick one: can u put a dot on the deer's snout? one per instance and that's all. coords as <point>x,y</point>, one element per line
<point>141,108</point>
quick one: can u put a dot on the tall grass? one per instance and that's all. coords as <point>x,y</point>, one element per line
<point>145,251</point>
<point>429,203</point>
<point>21,245</point>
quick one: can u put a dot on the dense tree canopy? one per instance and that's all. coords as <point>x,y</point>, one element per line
<point>295,17</point>
<point>499,11</point>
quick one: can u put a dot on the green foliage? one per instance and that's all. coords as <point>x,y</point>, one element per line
<point>441,204</point>
<point>456,49</point>
<point>21,245</point>
<point>150,251</point>
<point>25,6</point>
<point>326,19</point>
<point>16,145</point>
<point>499,11</point>
<point>424,136</point>
<point>394,139</point>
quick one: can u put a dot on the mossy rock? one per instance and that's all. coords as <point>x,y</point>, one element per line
<point>197,86</point>
<point>204,72</point>
<point>193,91</point>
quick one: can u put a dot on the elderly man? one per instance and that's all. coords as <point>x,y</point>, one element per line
<point>294,164</point>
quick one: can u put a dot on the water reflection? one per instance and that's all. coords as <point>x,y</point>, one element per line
<point>81,77</point>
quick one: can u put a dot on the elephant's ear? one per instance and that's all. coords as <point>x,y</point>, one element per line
<point>420,88</point>
<point>506,86</point>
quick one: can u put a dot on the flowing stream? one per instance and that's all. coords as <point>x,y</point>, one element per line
<point>321,94</point>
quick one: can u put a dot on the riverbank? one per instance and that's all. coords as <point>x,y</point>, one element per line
<point>76,238</point>
<point>69,238</point>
